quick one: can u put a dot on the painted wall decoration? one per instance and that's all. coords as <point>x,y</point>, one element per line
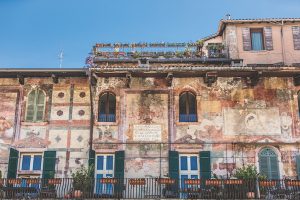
<point>8,117</point>
<point>252,121</point>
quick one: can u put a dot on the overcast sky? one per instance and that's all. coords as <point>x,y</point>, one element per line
<point>33,32</point>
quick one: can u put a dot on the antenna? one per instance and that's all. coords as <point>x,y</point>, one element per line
<point>61,57</point>
<point>228,16</point>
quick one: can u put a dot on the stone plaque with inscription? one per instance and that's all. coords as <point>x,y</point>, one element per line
<point>149,133</point>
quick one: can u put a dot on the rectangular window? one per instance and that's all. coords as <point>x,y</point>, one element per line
<point>257,39</point>
<point>104,169</point>
<point>31,162</point>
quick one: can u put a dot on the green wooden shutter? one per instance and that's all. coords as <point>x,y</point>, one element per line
<point>119,164</point>
<point>30,106</point>
<point>49,164</point>
<point>205,164</point>
<point>298,166</point>
<point>174,165</point>
<point>263,166</point>
<point>119,173</point>
<point>13,163</point>
<point>40,105</point>
<point>92,155</point>
<point>268,163</point>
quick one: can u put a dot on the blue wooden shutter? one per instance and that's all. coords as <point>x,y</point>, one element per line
<point>174,165</point>
<point>13,163</point>
<point>49,164</point>
<point>205,164</point>
<point>298,166</point>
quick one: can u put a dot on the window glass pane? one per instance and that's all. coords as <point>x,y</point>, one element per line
<point>112,104</point>
<point>192,103</point>
<point>182,104</point>
<point>257,41</point>
<point>194,163</point>
<point>109,163</point>
<point>102,103</point>
<point>183,163</point>
<point>26,162</point>
<point>183,177</point>
<point>37,162</point>
<point>99,162</point>
<point>41,98</point>
<point>99,185</point>
<point>194,176</point>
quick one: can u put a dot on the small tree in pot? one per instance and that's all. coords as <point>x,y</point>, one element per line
<point>249,174</point>
<point>83,181</point>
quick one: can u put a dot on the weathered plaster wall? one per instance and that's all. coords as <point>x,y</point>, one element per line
<point>64,129</point>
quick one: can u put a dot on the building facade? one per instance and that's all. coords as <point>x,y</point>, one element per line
<point>196,110</point>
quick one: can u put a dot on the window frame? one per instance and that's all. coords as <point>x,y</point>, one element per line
<point>104,171</point>
<point>107,104</point>
<point>30,170</point>
<point>189,172</point>
<point>35,110</point>
<point>258,30</point>
<point>269,162</point>
<point>187,106</point>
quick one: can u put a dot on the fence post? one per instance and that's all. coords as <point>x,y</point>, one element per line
<point>257,188</point>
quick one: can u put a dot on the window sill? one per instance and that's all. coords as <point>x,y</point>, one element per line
<point>105,123</point>
<point>26,123</point>
<point>31,172</point>
<point>185,123</point>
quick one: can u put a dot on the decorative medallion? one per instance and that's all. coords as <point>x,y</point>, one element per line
<point>80,138</point>
<point>81,112</point>
<point>82,94</point>
<point>57,138</point>
<point>61,95</point>
<point>60,113</point>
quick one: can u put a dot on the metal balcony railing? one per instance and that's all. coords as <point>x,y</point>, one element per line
<point>107,118</point>
<point>188,118</point>
<point>148,188</point>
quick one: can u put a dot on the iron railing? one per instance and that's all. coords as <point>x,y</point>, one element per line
<point>149,188</point>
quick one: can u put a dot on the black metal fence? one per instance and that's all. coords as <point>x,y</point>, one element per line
<point>149,188</point>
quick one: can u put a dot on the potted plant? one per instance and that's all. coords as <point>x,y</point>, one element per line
<point>83,181</point>
<point>250,175</point>
<point>199,44</point>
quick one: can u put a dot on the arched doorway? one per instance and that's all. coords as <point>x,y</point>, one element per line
<point>268,163</point>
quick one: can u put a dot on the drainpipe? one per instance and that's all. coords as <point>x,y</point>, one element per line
<point>92,110</point>
<point>282,43</point>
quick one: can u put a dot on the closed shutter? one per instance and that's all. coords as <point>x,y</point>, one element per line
<point>92,155</point>
<point>298,166</point>
<point>268,164</point>
<point>30,106</point>
<point>205,164</point>
<point>296,37</point>
<point>263,166</point>
<point>119,173</point>
<point>13,163</point>
<point>40,105</point>
<point>274,170</point>
<point>246,39</point>
<point>49,164</point>
<point>119,164</point>
<point>268,38</point>
<point>174,165</point>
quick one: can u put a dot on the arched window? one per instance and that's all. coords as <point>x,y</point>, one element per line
<point>35,106</point>
<point>268,163</point>
<point>107,107</point>
<point>187,107</point>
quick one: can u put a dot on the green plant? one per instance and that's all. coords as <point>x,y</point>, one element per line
<point>248,172</point>
<point>83,179</point>
<point>200,43</point>
<point>0,174</point>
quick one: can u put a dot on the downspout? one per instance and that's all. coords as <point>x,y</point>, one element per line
<point>92,111</point>
<point>282,43</point>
